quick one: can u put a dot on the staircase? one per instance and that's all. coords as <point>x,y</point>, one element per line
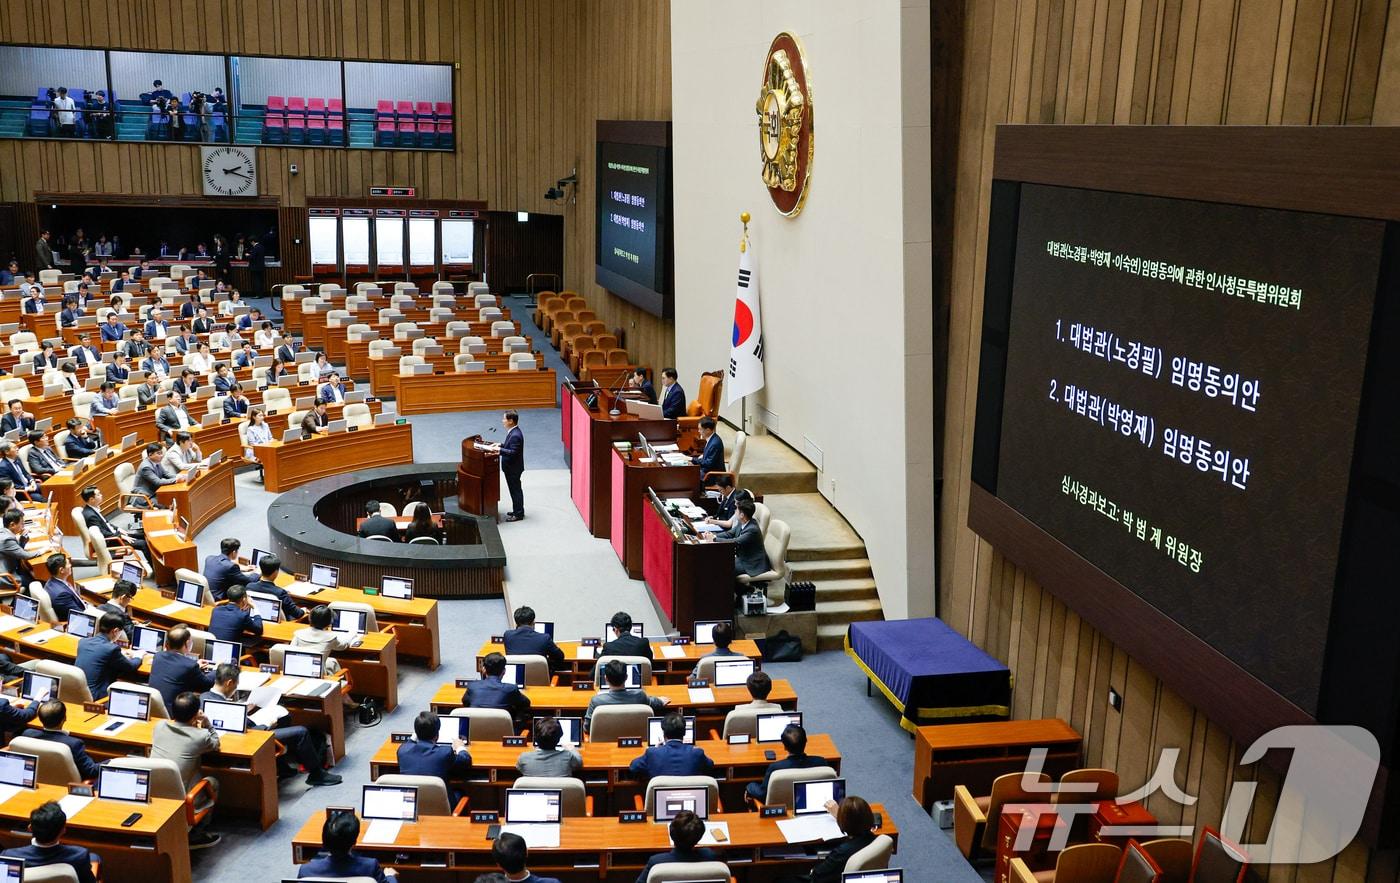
<point>823,548</point>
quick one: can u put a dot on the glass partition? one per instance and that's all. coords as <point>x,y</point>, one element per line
<point>457,241</point>
<point>54,93</point>
<point>402,105</point>
<point>323,241</point>
<point>355,232</point>
<point>162,96</point>
<point>422,242</point>
<point>388,242</point>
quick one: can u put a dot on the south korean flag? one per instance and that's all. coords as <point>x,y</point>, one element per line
<point>746,346</point>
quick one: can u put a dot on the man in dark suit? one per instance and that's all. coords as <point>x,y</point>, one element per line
<point>304,746</point>
<point>686,830</point>
<point>223,570</point>
<point>102,659</point>
<point>711,459</point>
<point>235,618</point>
<point>14,557</point>
<point>85,353</point>
<point>672,396</point>
<point>47,822</point>
<point>93,517</point>
<point>82,441</point>
<point>119,602</point>
<point>673,757</point>
<point>71,312</point>
<point>338,837</point>
<point>728,499</point>
<point>332,392</point>
<point>152,475</point>
<point>173,672</point>
<point>512,451</point>
<point>750,557</point>
<point>16,418</point>
<point>287,352</point>
<point>224,379</point>
<point>156,327</point>
<point>186,342</point>
<point>375,524</point>
<point>639,381</point>
<point>42,462</point>
<point>524,640</point>
<point>43,253</point>
<point>112,331</point>
<point>511,854</point>
<point>269,567</point>
<point>63,595</point>
<point>118,372</point>
<point>53,714</point>
<point>149,392</point>
<point>157,364</point>
<point>491,692</point>
<point>13,469</point>
<point>795,744</point>
<point>624,643</point>
<point>424,756</point>
<point>314,421</point>
<point>236,404</point>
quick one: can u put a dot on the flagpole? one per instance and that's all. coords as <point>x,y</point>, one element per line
<point>743,247</point>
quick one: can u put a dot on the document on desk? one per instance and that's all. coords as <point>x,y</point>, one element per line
<point>710,839</point>
<point>537,836</point>
<point>671,652</point>
<point>251,680</point>
<point>267,715</point>
<point>809,828</point>
<point>174,608</point>
<point>580,652</point>
<point>701,696</point>
<point>100,584</point>
<point>666,449</point>
<point>72,804</point>
<point>706,527</point>
<point>8,791</point>
<point>383,831</point>
<point>168,532</point>
<point>114,726</point>
<point>43,637</point>
<point>8,622</point>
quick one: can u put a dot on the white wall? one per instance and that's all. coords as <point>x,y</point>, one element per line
<point>845,286</point>
<point>23,69</point>
<point>287,77</point>
<point>367,82</point>
<point>133,72</point>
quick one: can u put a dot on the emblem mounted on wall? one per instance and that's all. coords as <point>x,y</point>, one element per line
<point>784,111</point>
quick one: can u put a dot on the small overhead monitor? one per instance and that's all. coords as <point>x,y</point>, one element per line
<point>454,727</point>
<point>399,588</point>
<point>291,435</point>
<point>147,639</point>
<point>325,576</point>
<point>525,807</point>
<point>300,664</point>
<point>390,802</point>
<point>26,608</point>
<point>127,703</point>
<point>770,726</point>
<point>671,802</point>
<point>705,630</point>
<point>656,737</point>
<point>545,628</point>
<point>733,672</point>
<point>81,624</point>
<point>19,770</point>
<point>812,797</point>
<point>219,652</point>
<point>349,622</point>
<point>226,717</point>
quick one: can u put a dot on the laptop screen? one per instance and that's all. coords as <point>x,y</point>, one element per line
<point>189,592</point>
<point>325,576</point>
<point>128,703</point>
<point>389,802</point>
<point>219,652</point>
<point>11,870</point>
<point>397,587</point>
<point>671,802</point>
<point>545,628</point>
<point>26,608</point>
<point>38,687</point>
<point>81,625</point>
<point>114,783</point>
<point>301,665</point>
<point>573,731</point>
<point>705,631</point>
<point>634,677</point>
<point>770,726</point>
<point>228,717</point>
<point>514,674</point>
<point>131,572</point>
<point>893,875</point>
<point>349,622</point>
<point>732,672</point>
<point>18,769</point>
<point>258,556</point>
<point>147,639</point>
<point>655,736</point>
<point>527,806</point>
<point>811,797</point>
<point>453,728</point>
<point>266,606</point>
<point>612,632</point>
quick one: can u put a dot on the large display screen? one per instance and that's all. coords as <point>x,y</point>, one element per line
<point>1180,402</point>
<point>633,223</point>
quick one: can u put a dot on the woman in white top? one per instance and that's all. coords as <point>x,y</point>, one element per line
<point>266,337</point>
<point>324,368</point>
<point>257,433</point>
<point>201,361</point>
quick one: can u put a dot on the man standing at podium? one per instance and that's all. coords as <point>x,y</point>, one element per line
<point>512,451</point>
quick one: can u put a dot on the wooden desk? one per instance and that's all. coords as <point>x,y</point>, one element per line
<point>206,497</point>
<point>63,489</point>
<point>156,847</point>
<point>690,581</point>
<point>568,702</point>
<point>169,551</point>
<point>590,848</point>
<point>436,393</point>
<point>222,436</point>
<point>663,669</point>
<point>975,754</point>
<point>415,622</point>
<point>630,480</point>
<point>384,368</point>
<point>588,437</point>
<point>288,464</point>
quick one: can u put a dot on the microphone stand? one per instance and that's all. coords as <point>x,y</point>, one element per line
<point>614,411</point>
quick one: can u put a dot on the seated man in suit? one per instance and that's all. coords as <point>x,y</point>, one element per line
<point>318,637</point>
<point>638,380</point>
<point>151,476</point>
<point>523,640</point>
<point>93,517</point>
<point>82,440</point>
<point>107,400</point>
<point>711,459</point>
<point>728,499</point>
<point>112,330</point>
<point>224,379</point>
<point>102,659</point>
<point>35,302</point>
<point>14,557</point>
<point>624,643</point>
<point>672,396</point>
<point>314,421</point>
<point>156,363</point>
<point>759,685</point>
<point>723,636</point>
<point>287,352</point>
<point>47,823</point>
<point>17,418</point>
<point>202,324</point>
<point>53,714</point>
<point>12,717</point>
<point>376,524</point>
<point>492,692</point>
<point>118,371</point>
<point>135,348</point>
<point>304,746</point>
<point>618,693</point>
<point>119,602</point>
<point>423,756</point>
<point>234,618</point>
<point>686,830</point>
<point>223,570</point>
<point>187,341</point>
<point>188,383</point>
<point>184,455</point>
<point>148,393</point>
<point>71,312</point>
<point>85,353</point>
<point>332,392</point>
<point>673,757</point>
<point>63,595</point>
<point>173,417</point>
<point>245,356</point>
<point>42,461</point>
<point>795,744</point>
<point>173,671</point>
<point>156,327</point>
<point>548,759</point>
<point>236,405</point>
<point>511,855</point>
<point>184,739</point>
<point>338,836</point>
<point>750,556</point>
<point>15,471</point>
<point>46,358</point>
<point>269,568</point>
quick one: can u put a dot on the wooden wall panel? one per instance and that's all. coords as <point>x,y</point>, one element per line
<point>1122,62</point>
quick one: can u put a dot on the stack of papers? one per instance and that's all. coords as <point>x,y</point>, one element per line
<point>704,695</point>
<point>8,622</point>
<point>666,449</point>
<point>581,652</point>
<point>810,827</point>
<point>706,527</point>
<point>671,652</point>
<point>45,635</point>
<point>537,836</point>
<point>675,459</point>
<point>710,839</point>
<point>383,831</point>
<point>72,803</point>
<point>174,608</point>
<point>8,791</point>
<point>251,680</point>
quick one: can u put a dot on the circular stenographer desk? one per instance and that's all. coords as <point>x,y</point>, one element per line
<point>315,524</point>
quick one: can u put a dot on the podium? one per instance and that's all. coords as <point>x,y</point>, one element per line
<point>688,579</point>
<point>588,434</point>
<point>478,479</point>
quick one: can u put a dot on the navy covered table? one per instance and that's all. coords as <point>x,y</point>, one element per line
<point>931,673</point>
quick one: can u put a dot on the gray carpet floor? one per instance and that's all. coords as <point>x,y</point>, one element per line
<point>571,578</point>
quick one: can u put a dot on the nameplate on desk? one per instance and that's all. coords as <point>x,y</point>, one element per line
<point>697,683</point>
<point>398,738</point>
<point>630,816</point>
<point>772,812</point>
<point>485,818</point>
<point>268,669</point>
<point>80,790</point>
<point>679,642</point>
<point>629,742</point>
<point>94,708</point>
<point>498,639</point>
<point>583,685</point>
<point>513,742</point>
<point>370,590</point>
<point>463,683</point>
<point>739,738</point>
<point>591,642</point>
